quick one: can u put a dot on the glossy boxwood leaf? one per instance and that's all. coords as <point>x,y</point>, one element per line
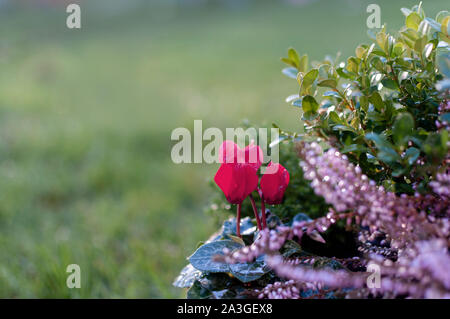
<point>420,43</point>
<point>375,116</point>
<point>303,64</point>
<point>445,26</point>
<point>333,94</point>
<point>398,49</point>
<point>290,72</point>
<point>443,60</point>
<point>377,101</point>
<point>292,97</point>
<point>323,70</point>
<point>412,154</point>
<point>353,148</point>
<point>309,116</point>
<point>344,73</point>
<point>441,15</point>
<point>386,151</point>
<point>389,83</point>
<point>335,117</point>
<point>403,128</point>
<point>288,62</point>
<point>381,39</point>
<point>294,57</point>
<point>202,259</point>
<point>309,104</point>
<point>364,103</point>
<point>413,20</point>
<point>345,128</point>
<point>308,80</point>
<point>352,64</point>
<point>406,12</point>
<point>359,51</point>
<point>433,24</point>
<point>330,83</point>
<point>377,64</point>
<point>427,50</point>
<point>435,145</point>
<point>297,103</point>
<point>326,104</point>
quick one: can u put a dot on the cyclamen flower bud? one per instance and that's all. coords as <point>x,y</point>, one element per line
<point>274,185</point>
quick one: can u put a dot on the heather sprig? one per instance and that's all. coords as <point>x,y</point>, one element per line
<point>343,185</point>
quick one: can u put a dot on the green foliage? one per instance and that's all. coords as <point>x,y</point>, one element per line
<point>379,107</point>
<point>383,104</point>
<point>208,279</point>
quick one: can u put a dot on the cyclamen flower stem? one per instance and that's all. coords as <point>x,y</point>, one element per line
<point>255,210</point>
<point>263,209</point>
<point>238,220</point>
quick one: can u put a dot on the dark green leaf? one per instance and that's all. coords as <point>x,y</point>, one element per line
<point>187,277</point>
<point>386,151</point>
<point>377,101</point>
<point>202,259</point>
<point>331,83</point>
<point>309,116</point>
<point>309,104</point>
<point>297,103</point>
<point>335,117</point>
<point>290,248</point>
<point>308,80</point>
<point>353,148</point>
<point>389,83</point>
<point>412,154</point>
<point>250,271</point>
<point>403,128</point>
<point>197,291</point>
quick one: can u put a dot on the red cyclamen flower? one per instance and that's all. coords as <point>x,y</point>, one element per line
<point>274,185</point>
<point>231,153</point>
<point>236,181</point>
<point>237,176</point>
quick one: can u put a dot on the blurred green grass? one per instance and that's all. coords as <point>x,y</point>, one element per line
<point>85,123</point>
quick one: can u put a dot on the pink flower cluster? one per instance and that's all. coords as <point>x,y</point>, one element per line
<point>343,185</point>
<point>441,185</point>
